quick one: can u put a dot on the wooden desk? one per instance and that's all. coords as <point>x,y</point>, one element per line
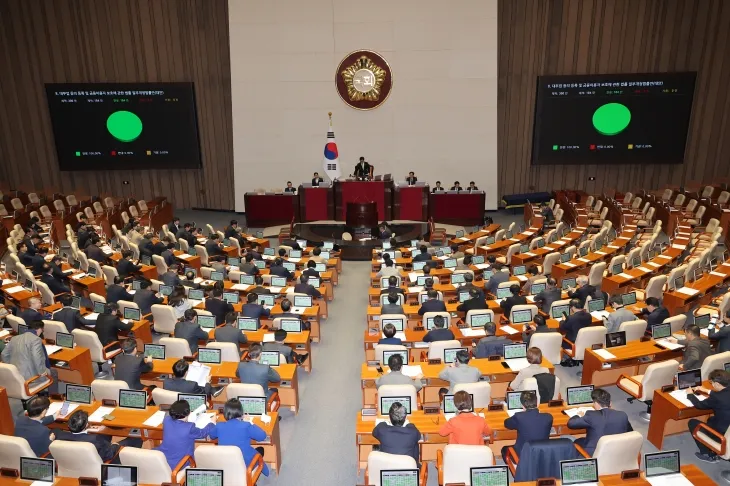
<point>500,247</point>
<point>538,254</point>
<point>20,298</point>
<point>7,424</point>
<point>620,284</point>
<point>188,260</point>
<point>79,367</point>
<point>678,302</point>
<point>628,361</point>
<point>471,238</point>
<point>669,416</point>
<point>691,472</point>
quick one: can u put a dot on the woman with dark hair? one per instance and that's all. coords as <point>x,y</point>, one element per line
<point>236,431</point>
<point>179,435</point>
<point>178,301</point>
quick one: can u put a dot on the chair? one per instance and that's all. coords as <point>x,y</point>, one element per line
<point>152,466</point>
<point>160,264</point>
<point>382,461</point>
<point>512,250</point>
<point>550,260</point>
<point>635,330</point>
<point>677,322</point>
<point>531,384</point>
<point>176,347</point>
<point>540,459</point>
<point>595,276</point>
<point>714,362</point>
<point>76,459</point>
<point>445,315</point>
<point>163,319</point>
<point>51,328</point>
<point>617,452</point>
<point>164,397</point>
<point>642,387</point>
<point>234,390</point>
<point>229,351</point>
<point>455,461</point>
<point>107,389</point>
<point>531,307</point>
<point>586,338</point>
<point>482,392</point>
<point>97,298</point>
<point>47,296</point>
<point>716,442</point>
<point>655,288</point>
<point>723,198</point>
<point>99,354</point>
<point>380,348</point>
<point>549,343</point>
<point>14,322</point>
<point>436,348</point>
<point>12,449</point>
<point>203,254</point>
<point>16,386</point>
<point>126,304</point>
<point>397,391</point>
<point>230,460</point>
<point>479,312</point>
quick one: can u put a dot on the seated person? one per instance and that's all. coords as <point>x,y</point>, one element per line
<point>229,332</point>
<point>472,187</point>
<point>497,278</point>
<point>546,298</point>
<point>619,315</point>
<point>34,426</point>
<point>189,329</point>
<point>179,435</point>
<point>388,268</point>
<point>577,320</point>
<point>466,427</point>
<point>582,291</point>
<point>311,270</point>
<point>464,264</point>
<point>285,308</point>
<point>459,372</point>
<point>438,333</point>
<point>179,301</point>
<point>392,307</point>
<point>70,316</point>
<point>33,312</point>
<point>236,431</point>
<point>423,255</point>
<point>531,424</point>
<point>109,325</point>
<point>316,255</point>
<point>171,277</point>
<point>316,180</point>
<point>411,179</point>
<point>384,233</point>
<point>253,309</point>
<point>145,298</point>
<point>512,300</point>
<point>214,248</point>
<point>257,373</point>
<point>534,357</point>
<point>475,302</point>
<point>217,306</point>
<point>469,282</point>
<point>389,333</point>
<point>654,313</point>
<point>178,383</point>
<point>290,188</point>
<point>77,424</point>
<point>277,269</point>
<point>395,437</point>
<point>538,325</point>
<point>129,366</point>
<point>491,345</point>
<point>719,403</point>
<point>392,286</point>
<point>189,280</point>
<point>456,187</point>
<point>259,289</point>
<point>602,420</point>
<point>533,273</point>
<point>438,187</point>
<point>696,348</point>
<point>395,376</point>
<point>304,287</point>
<point>125,267</point>
<point>455,252</point>
<point>433,304</point>
<point>168,254</point>
<point>720,333</point>
<point>247,266</point>
<point>280,346</point>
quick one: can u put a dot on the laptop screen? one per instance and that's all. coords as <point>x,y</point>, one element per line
<point>295,254</point>
<point>448,404</point>
<point>477,260</point>
<point>165,290</point>
<point>266,299</point>
<point>512,351</point>
<point>596,305</point>
<point>248,324</point>
<point>289,266</point>
<point>459,234</point>
<point>661,463</point>
<point>421,280</point>
<point>578,395</point>
<point>118,475</point>
<point>65,340</point>
<point>418,266</point>
<point>76,302</point>
<point>450,263</point>
<point>568,283</point>
<point>628,299</point>
<point>302,301</point>
<point>690,378</point>
<point>464,296</point>
<point>565,257</point>
<point>479,320</point>
<point>278,281</point>
<point>520,316</point>
<point>269,251</point>
<point>636,261</point>
<point>36,469</point>
<point>270,358</point>
<point>391,254</point>
<point>458,278</point>
<point>489,476</point>
<point>503,292</point>
<point>617,268</point>
<point>397,323</point>
<point>231,297</point>
<point>320,267</point>
<point>260,264</point>
<point>206,322</point>
<point>203,477</point>
<point>246,279</point>
<point>253,405</point>
<point>209,355</point>
<point>387,354</point>
<point>155,351</point>
<point>583,251</point>
<point>536,288</point>
<point>450,354</point>
<point>679,282</point>
<point>291,325</point>
<point>194,400</point>
<point>22,328</point>
<point>234,261</point>
<point>614,339</point>
<point>78,393</point>
<point>314,281</point>
<point>513,400</point>
<point>132,314</point>
<point>386,245</point>
<point>579,471</point>
<point>659,331</point>
<point>387,402</point>
<point>328,245</point>
<point>132,399</point>
<point>519,270</point>
<point>399,477</point>
<point>703,321</point>
<point>99,307</point>
<point>92,271</point>
<point>430,323</point>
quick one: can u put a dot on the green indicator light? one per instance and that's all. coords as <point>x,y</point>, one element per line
<point>611,119</point>
<point>555,147</point>
<point>125,126</point>
<point>78,154</point>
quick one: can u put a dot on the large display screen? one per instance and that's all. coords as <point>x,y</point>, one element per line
<point>124,126</point>
<point>612,118</point>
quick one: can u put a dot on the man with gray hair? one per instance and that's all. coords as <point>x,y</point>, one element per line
<point>33,313</point>
<point>583,290</point>
<point>491,344</point>
<point>395,437</point>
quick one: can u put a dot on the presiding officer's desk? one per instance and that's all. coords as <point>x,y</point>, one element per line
<point>670,416</point>
<point>493,372</point>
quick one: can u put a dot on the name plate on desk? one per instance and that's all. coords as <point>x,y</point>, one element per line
<point>434,361</point>
<point>431,408</point>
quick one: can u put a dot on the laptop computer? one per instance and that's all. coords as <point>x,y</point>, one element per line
<point>233,261</point>
<point>388,354</point>
<point>133,399</point>
<point>253,405</point>
<point>614,339</point>
<point>155,351</point>
<point>579,395</point>
<point>203,477</point>
<point>114,475</point>
<point>418,266</point>
<point>387,402</point>
<point>132,314</point>
<point>206,322</point>
<point>290,266</point>
<point>209,355</point>
<point>270,358</point>
<point>399,477</point>
<point>477,260</point>
<point>568,283</point>
<point>521,316</point>
<point>76,302</point>
<point>194,400</point>
<point>579,471</point>
<point>490,475</point>
<point>689,378</point>
<point>65,340</point>
<point>291,325</point>
<point>450,409</point>
<point>37,469</point>
<point>295,253</point>
<point>664,466</point>
<point>617,268</point>
<point>513,401</point>
<point>450,263</point>
<point>248,324</point>
<point>231,297</point>
<point>301,302</point>
<point>565,257</point>
<point>397,323</point>
<point>503,292</point>
<point>661,331</point>
<point>519,270</point>
<point>247,279</point>
<point>703,321</point>
<point>267,300</point>
<point>457,279</point>
<point>536,288</point>
<point>99,307</point>
<point>450,354</point>
<point>278,281</point>
<point>165,290</point>
<point>479,320</point>
<point>628,298</point>
<point>78,394</point>
<point>596,305</point>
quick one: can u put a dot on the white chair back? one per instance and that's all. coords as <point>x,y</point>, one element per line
<point>459,459</point>
<point>152,466</point>
<point>656,376</point>
<point>229,351</point>
<point>381,348</point>
<point>714,362</point>
<point>618,452</point>
<point>481,391</point>
<point>587,337</point>
<point>234,390</point>
<point>12,449</point>
<point>677,322</point>
<point>445,315</point>
<point>107,389</point>
<point>164,397</point>
<point>227,458</point>
<point>436,348</point>
<point>634,329</point>
<point>550,343</point>
<point>51,328</point>
<point>76,459</point>
<point>379,461</point>
<point>397,391</point>
<point>89,339</point>
<point>176,347</point>
<point>164,318</point>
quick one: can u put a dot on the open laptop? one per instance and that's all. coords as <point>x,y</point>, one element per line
<point>579,395</point>
<point>418,266</point>
<point>503,292</point>
<point>663,468</point>
<point>266,300</point>
<point>399,477</point>
<point>37,469</point>
<point>114,475</point>
<point>568,283</point>
<point>248,324</point>
<point>583,251</point>
<point>387,402</point>
<point>278,281</point>
<point>661,331</point>
<point>515,355</point>
<point>76,302</point>
<point>689,378</point>
<point>253,405</point>
<point>270,358</point>
<point>65,340</point>
<point>301,303</point>
<point>565,257</point>
<point>479,320</point>
<point>231,297</point>
<point>489,476</point>
<point>519,270</point>
<point>521,316</point>
<point>78,394</point>
<point>132,314</point>
<point>295,253</point>
<point>614,339</point>
<point>155,351</point>
<point>536,288</point>
<point>450,354</point>
<point>458,279</point>
<point>291,325</point>
<point>203,477</point>
<point>449,407</point>
<point>628,298</point>
<point>388,354</point>
<point>196,296</point>
<point>450,263</point>
<point>233,261</point>
<point>246,279</point>
<point>195,400</point>
<point>463,297</point>
<point>133,399</point>
<point>513,402</point>
<point>292,267</point>
<point>209,355</point>
<point>206,322</point>
<point>99,308</point>
<point>703,321</point>
<point>579,471</point>
<point>397,323</point>
<point>617,268</point>
<point>165,290</point>
<point>477,260</point>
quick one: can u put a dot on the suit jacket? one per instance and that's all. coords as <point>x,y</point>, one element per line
<point>473,304</point>
<point>393,340</point>
<point>27,353</point>
<point>213,248</point>
<point>58,273</point>
<point>398,440</point>
<point>397,378</point>
<point>281,348</point>
<point>72,319</point>
<point>37,262</point>
<point>257,374</point>
<point>129,368</point>
<point>259,290</point>
<point>599,423</point>
<point>491,346</point>
<point>575,323</point>
<point>292,190</point>
<point>458,189</point>
<point>307,289</point>
<point>174,228</point>
<point>437,189</point>
<point>362,170</point>
<point>493,283</point>
<point>659,315</point>
<point>115,293</point>
<point>108,327</point>
<point>191,332</point>
<point>411,180</point>
<point>316,181</point>
<point>432,305</point>
<point>102,443</point>
<point>280,271</point>
<point>230,334</point>
<point>423,257</point>
<point>30,246</point>
<point>248,268</point>
<point>187,236</point>
<point>512,301</point>
<point>718,402</point>
<point>695,352</point>
<point>722,336</point>
<point>582,293</point>
<point>146,247</point>
<point>459,374</point>
<point>255,310</point>
<point>125,268</point>
<point>145,299</point>
<point>36,433</point>
<point>388,290</point>
<point>93,252</point>
<point>546,298</point>
<point>310,272</point>
<point>618,317</point>
<point>54,285</point>
<point>530,425</point>
<point>170,278</point>
<point>30,315</point>
<point>437,334</point>
<point>178,439</point>
<point>181,385</point>
<point>168,256</point>
<point>391,309</point>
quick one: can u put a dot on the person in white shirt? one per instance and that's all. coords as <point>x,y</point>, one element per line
<point>534,357</point>
<point>388,269</point>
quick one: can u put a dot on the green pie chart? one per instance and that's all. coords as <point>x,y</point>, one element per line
<point>125,126</point>
<point>611,118</point>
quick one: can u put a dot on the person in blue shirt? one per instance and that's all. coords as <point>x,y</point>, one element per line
<point>238,432</point>
<point>389,332</point>
<point>179,435</point>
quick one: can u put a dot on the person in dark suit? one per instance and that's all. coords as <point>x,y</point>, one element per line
<point>530,424</point>
<point>117,292</point>
<point>54,285</point>
<point>316,180</point>
<point>438,333</point>
<point>77,425</point>
<point>423,256</point>
<point>311,269</point>
<point>512,300</point>
<point>497,278</point>
<point>491,345</point>
<point>469,283</point>
<point>188,329</point>
<point>84,234</point>
<point>253,309</point>
<point>304,287</point>
<point>456,187</point>
<point>602,420</point>
<point>125,267</point>
<point>437,187</point>
<point>362,169</point>
<point>472,187</point>
<point>186,233</point>
<point>411,179</point>
<point>34,426</point>
<point>70,316</point>
<point>257,373</point>
<point>433,304</point>
<point>720,333</point>
<point>55,265</point>
<point>232,231</point>
<point>577,320</point>
<point>654,313</point>
<point>583,291</point>
<point>217,306</point>
<point>129,367</point>
<point>168,254</point>
<point>696,348</point>
<point>538,325</point>
<point>247,266</point>
<point>214,247</point>
<point>108,324</point>
<point>392,307</point>
<point>178,383</point>
<point>230,333</point>
<point>174,227</point>
<point>393,287</point>
<point>189,280</point>
<point>389,332</point>
<point>719,402</point>
<point>146,298</point>
<point>31,243</point>
<point>94,252</point>
<point>259,289</point>
<point>280,346</point>
<point>546,298</point>
<point>286,307</point>
<point>384,233</point>
<point>397,438</point>
<point>145,245</point>
<point>290,189</point>
<point>475,301</point>
<point>171,277</point>
<point>23,255</point>
<point>277,268</point>
<point>32,313</point>
<point>38,260</point>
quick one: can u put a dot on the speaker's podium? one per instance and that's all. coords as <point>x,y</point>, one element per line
<point>316,203</point>
<point>351,191</point>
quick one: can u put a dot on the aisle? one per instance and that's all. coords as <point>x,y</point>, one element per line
<point>318,445</point>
